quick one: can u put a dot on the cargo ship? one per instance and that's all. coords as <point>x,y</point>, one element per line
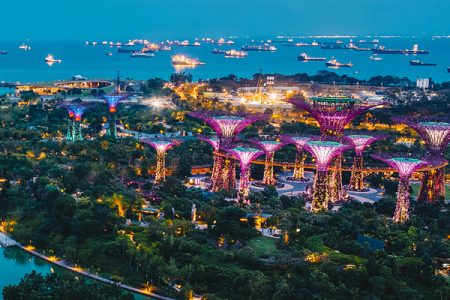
<point>218,51</point>
<point>265,48</point>
<point>375,57</point>
<point>142,54</point>
<point>335,64</point>
<point>418,63</point>
<point>235,54</point>
<point>182,60</point>
<point>333,46</point>
<point>414,51</point>
<point>51,59</point>
<point>304,57</point>
<point>448,69</point>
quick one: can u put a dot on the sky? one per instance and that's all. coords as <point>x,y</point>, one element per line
<point>124,19</point>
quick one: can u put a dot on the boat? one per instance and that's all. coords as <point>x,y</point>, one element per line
<point>261,48</point>
<point>142,54</point>
<point>108,53</point>
<point>3,52</point>
<point>414,51</point>
<point>334,63</point>
<point>218,51</point>
<point>333,46</point>
<point>375,57</point>
<point>182,60</point>
<point>51,59</point>
<point>24,47</point>
<point>235,54</point>
<point>419,63</point>
<point>165,48</point>
<point>222,41</point>
<point>304,57</point>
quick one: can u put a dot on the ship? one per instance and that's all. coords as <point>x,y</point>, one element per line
<point>165,48</point>
<point>375,57</point>
<point>448,69</point>
<point>418,63</point>
<point>304,57</point>
<point>333,46</point>
<point>24,47</point>
<point>218,51</point>
<point>414,51</point>
<point>51,59</point>
<point>262,48</point>
<point>3,52</point>
<point>335,64</point>
<point>182,60</point>
<point>109,53</point>
<point>222,41</point>
<point>235,54</point>
<point>142,54</point>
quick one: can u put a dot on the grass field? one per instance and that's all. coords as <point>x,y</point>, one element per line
<point>263,246</point>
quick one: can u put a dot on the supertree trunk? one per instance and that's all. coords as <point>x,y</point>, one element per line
<point>320,194</point>
<point>433,186</point>
<point>69,135</point>
<point>357,177</point>
<point>112,130</point>
<point>216,178</point>
<point>269,178</point>
<point>244,184</point>
<point>160,175</point>
<point>228,175</point>
<point>299,166</point>
<point>335,184</point>
<point>77,136</point>
<point>401,211</point>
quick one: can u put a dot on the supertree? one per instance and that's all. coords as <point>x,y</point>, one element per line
<point>245,157</point>
<point>161,146</point>
<point>323,152</point>
<point>214,141</point>
<point>227,126</point>
<point>76,109</point>
<point>436,134</point>
<point>112,101</point>
<point>269,147</point>
<point>332,114</point>
<point>360,142</point>
<point>299,143</point>
<point>405,166</point>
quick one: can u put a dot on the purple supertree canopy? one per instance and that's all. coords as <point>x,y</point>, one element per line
<point>324,152</point>
<point>332,113</point>
<point>268,146</point>
<point>361,141</point>
<point>75,108</point>
<point>112,101</point>
<point>214,141</point>
<point>228,126</point>
<point>245,155</point>
<point>161,146</point>
<point>297,140</point>
<point>435,133</point>
<point>403,164</point>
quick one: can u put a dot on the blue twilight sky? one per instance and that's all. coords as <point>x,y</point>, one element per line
<point>123,19</point>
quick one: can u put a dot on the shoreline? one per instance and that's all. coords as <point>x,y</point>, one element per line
<point>80,271</point>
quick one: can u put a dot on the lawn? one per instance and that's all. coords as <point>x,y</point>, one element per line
<point>416,187</point>
<point>263,246</point>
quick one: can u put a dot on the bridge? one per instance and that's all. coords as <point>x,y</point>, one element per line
<point>6,241</point>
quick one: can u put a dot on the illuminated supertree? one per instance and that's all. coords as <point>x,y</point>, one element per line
<point>76,109</point>
<point>332,114</point>
<point>360,142</point>
<point>269,148</point>
<point>323,152</point>
<point>214,141</point>
<point>405,167</point>
<point>436,134</point>
<point>112,101</point>
<point>161,147</point>
<point>299,165</point>
<point>245,157</point>
<point>227,126</point>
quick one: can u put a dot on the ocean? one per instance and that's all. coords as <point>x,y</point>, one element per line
<point>91,61</point>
